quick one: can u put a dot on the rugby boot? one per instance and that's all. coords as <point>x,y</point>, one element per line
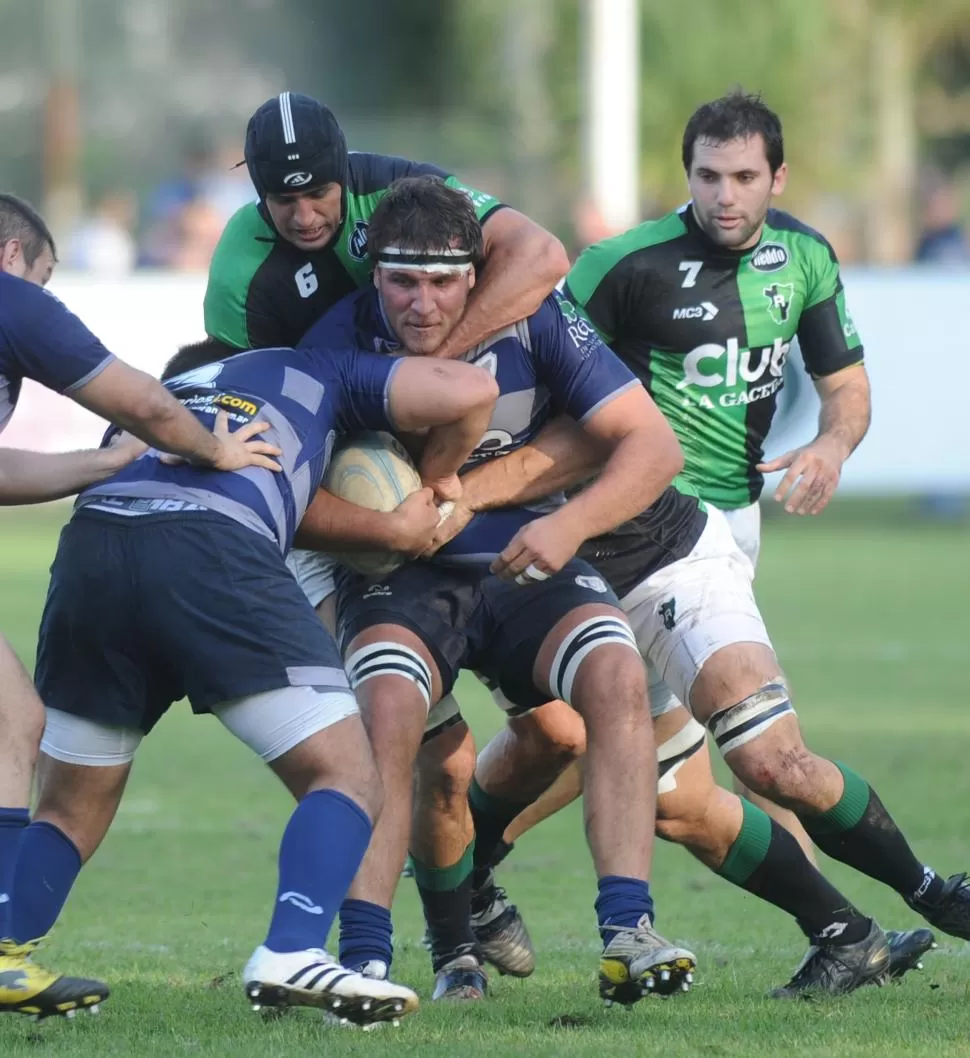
<point>26,988</point>
<point>951,912</point>
<point>835,969</point>
<point>461,978</point>
<point>906,950</point>
<point>502,937</point>
<point>313,978</point>
<point>638,962</point>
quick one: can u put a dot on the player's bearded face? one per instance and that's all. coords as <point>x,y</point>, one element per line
<point>731,186</point>
<point>423,308</point>
<point>307,219</point>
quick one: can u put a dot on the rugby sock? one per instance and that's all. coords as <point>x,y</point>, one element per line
<point>859,831</point>
<point>322,847</point>
<point>12,824</point>
<point>491,815</point>
<point>47,864</point>
<point>446,897</point>
<point>365,934</point>
<point>766,861</point>
<point>622,902</point>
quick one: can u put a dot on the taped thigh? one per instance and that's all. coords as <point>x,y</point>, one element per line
<point>675,752</point>
<point>75,740</point>
<point>578,644</point>
<point>274,722</point>
<point>390,659</point>
<point>744,722</point>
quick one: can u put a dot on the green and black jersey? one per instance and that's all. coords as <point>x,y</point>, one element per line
<point>708,331</point>
<point>264,292</point>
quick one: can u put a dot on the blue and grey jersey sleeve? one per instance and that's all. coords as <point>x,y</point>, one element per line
<point>48,343</point>
<point>365,380</point>
<point>581,373</point>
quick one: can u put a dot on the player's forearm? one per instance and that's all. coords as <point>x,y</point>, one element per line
<point>448,447</point>
<point>560,456</point>
<point>520,272</point>
<point>36,477</point>
<point>334,524</point>
<point>641,466</point>
<point>845,414</point>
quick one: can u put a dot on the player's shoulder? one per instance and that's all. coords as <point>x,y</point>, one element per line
<point>630,251</point>
<point>372,173</point>
<point>22,302</point>
<point>245,243</point>
<point>799,236</point>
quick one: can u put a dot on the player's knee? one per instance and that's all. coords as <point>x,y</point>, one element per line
<point>555,732</point>
<point>445,769</point>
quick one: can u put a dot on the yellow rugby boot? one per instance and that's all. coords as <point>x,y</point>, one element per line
<point>26,988</point>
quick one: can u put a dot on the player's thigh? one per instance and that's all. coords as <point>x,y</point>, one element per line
<point>563,638</point>
<point>695,608</point>
<point>745,526</point>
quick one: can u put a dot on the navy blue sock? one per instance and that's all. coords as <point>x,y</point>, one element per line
<point>322,847</point>
<point>622,902</point>
<point>365,934</point>
<point>45,870</point>
<point>12,824</point>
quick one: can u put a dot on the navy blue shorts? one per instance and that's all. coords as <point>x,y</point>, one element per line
<point>144,611</point>
<point>470,621</point>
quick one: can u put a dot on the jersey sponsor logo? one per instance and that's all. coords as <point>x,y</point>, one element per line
<point>780,297</point>
<point>297,179</point>
<point>581,331</point>
<point>239,409</point>
<point>229,400</point>
<point>357,243</point>
<point>306,281</point>
<point>377,591</point>
<point>770,258</point>
<point>593,583</point>
<point>199,376</point>
<point>479,199</point>
<point>706,310</point>
<point>728,365</point>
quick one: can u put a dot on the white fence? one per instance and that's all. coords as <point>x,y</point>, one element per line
<point>915,325</point>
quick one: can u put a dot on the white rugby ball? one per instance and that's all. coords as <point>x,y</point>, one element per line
<point>375,471</point>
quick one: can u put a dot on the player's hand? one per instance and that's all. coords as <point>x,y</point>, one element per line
<point>124,448</point>
<point>414,523</point>
<point>446,489</point>
<point>449,526</point>
<point>813,475</point>
<point>238,450</point>
<point>538,550</point>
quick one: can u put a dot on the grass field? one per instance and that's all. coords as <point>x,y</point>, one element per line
<point>868,612</point>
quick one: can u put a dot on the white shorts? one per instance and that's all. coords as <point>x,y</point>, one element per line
<point>687,611</point>
<point>745,526</point>
<point>314,572</point>
<point>271,724</point>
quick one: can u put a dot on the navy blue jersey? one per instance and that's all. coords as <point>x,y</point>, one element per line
<point>41,339</point>
<point>551,363</point>
<point>307,396</point>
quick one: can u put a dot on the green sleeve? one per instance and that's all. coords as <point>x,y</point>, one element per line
<point>597,283</point>
<point>484,203</point>
<point>242,249</point>
<point>826,334</point>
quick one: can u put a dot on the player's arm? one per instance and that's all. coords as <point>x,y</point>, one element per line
<point>143,406</point>
<point>562,454</point>
<point>454,402</point>
<point>523,263</point>
<point>335,524</point>
<point>832,351</point>
<point>644,459</point>
<point>37,477</point>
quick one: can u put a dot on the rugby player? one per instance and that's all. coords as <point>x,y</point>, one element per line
<point>169,581</point>
<point>692,349</point>
<point>41,340</point>
<point>549,624</point>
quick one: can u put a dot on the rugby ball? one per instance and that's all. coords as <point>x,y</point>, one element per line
<point>375,471</point>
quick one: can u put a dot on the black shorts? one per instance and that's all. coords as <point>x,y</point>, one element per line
<point>470,621</point>
<point>144,611</point>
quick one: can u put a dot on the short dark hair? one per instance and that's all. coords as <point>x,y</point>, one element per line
<point>423,213</point>
<point>19,220</point>
<point>737,115</point>
<point>197,354</point>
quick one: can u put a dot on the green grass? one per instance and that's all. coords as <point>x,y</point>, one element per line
<point>868,612</point>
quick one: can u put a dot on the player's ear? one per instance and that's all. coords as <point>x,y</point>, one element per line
<point>471,278</point>
<point>780,179</point>
<point>10,254</point>
<point>374,277</point>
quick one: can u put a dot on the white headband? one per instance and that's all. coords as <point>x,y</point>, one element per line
<point>447,260</point>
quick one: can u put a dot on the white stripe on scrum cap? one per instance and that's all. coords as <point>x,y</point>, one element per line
<point>286,116</point>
